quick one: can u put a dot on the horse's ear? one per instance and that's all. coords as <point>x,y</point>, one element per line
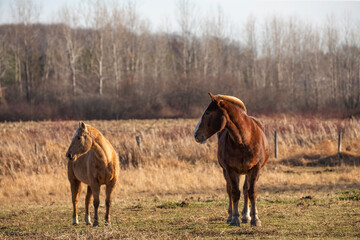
<point>213,98</point>
<point>221,103</point>
<point>82,125</point>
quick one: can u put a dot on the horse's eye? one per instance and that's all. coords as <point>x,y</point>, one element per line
<point>207,113</point>
<point>79,138</point>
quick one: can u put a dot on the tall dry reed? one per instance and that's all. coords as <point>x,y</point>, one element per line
<point>33,164</point>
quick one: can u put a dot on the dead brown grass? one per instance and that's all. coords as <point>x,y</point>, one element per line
<point>33,165</point>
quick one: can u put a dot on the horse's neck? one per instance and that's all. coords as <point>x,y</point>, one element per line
<point>99,147</point>
<point>236,119</point>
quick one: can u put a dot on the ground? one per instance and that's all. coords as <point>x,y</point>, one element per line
<point>284,215</point>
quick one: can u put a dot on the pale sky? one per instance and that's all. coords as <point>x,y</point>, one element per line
<point>159,12</point>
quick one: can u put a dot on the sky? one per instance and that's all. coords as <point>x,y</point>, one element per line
<point>163,12</point>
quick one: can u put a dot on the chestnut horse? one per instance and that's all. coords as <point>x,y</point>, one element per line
<point>93,161</point>
<point>242,150</point>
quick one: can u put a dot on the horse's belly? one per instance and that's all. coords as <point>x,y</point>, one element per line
<point>237,161</point>
<point>240,165</point>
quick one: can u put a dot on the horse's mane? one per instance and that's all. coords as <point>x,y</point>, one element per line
<point>232,99</point>
<point>94,132</point>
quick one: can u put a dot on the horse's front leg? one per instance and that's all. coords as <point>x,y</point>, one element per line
<point>228,190</point>
<point>246,210</point>
<point>75,193</point>
<point>110,187</point>
<point>95,188</point>
<point>253,177</point>
<point>87,206</point>
<point>235,195</point>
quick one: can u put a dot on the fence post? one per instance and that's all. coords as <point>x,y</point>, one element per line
<point>35,149</point>
<point>276,144</point>
<point>339,141</point>
<point>138,141</point>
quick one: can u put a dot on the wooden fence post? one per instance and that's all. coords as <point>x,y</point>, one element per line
<point>35,149</point>
<point>275,144</point>
<point>339,141</point>
<point>138,141</point>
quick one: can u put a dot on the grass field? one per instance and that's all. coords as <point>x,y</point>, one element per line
<point>172,187</point>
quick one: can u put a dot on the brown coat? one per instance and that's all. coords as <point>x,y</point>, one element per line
<point>242,150</point>
<point>93,161</point>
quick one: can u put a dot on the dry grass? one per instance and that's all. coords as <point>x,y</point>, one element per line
<point>33,166</point>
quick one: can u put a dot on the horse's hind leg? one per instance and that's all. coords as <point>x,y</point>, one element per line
<point>87,206</point>
<point>110,187</point>
<point>75,192</point>
<point>253,177</point>
<point>246,211</point>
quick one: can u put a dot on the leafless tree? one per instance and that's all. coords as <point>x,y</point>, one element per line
<point>71,23</point>
<point>109,55</point>
<point>25,13</point>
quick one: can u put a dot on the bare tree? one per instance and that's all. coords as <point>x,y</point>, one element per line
<point>117,32</point>
<point>251,52</point>
<point>4,58</point>
<point>332,40</point>
<point>187,21</point>
<point>70,28</point>
<point>25,13</point>
<point>349,57</point>
<point>100,25</point>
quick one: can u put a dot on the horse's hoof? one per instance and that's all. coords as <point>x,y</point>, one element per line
<point>245,219</point>
<point>96,223</point>
<point>87,220</point>
<point>75,222</point>
<point>107,223</point>
<point>228,220</point>
<point>235,222</point>
<point>256,222</point>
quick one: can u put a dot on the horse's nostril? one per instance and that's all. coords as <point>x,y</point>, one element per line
<point>68,155</point>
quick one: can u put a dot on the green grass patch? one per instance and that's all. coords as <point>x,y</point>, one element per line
<point>353,195</point>
<point>172,205</point>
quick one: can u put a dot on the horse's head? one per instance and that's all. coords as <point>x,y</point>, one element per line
<point>212,121</point>
<point>80,144</point>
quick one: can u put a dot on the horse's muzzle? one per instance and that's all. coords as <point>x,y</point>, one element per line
<point>69,156</point>
<point>199,138</point>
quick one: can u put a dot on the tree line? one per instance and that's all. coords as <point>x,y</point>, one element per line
<point>108,63</point>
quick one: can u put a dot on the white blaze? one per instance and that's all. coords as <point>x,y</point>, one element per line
<point>197,126</point>
<point>76,133</point>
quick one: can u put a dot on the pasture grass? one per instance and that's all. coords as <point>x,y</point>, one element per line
<point>284,215</point>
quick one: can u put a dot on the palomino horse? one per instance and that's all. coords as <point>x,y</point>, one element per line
<point>93,161</point>
<point>242,150</point>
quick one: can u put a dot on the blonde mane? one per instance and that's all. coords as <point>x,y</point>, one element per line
<point>232,99</point>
